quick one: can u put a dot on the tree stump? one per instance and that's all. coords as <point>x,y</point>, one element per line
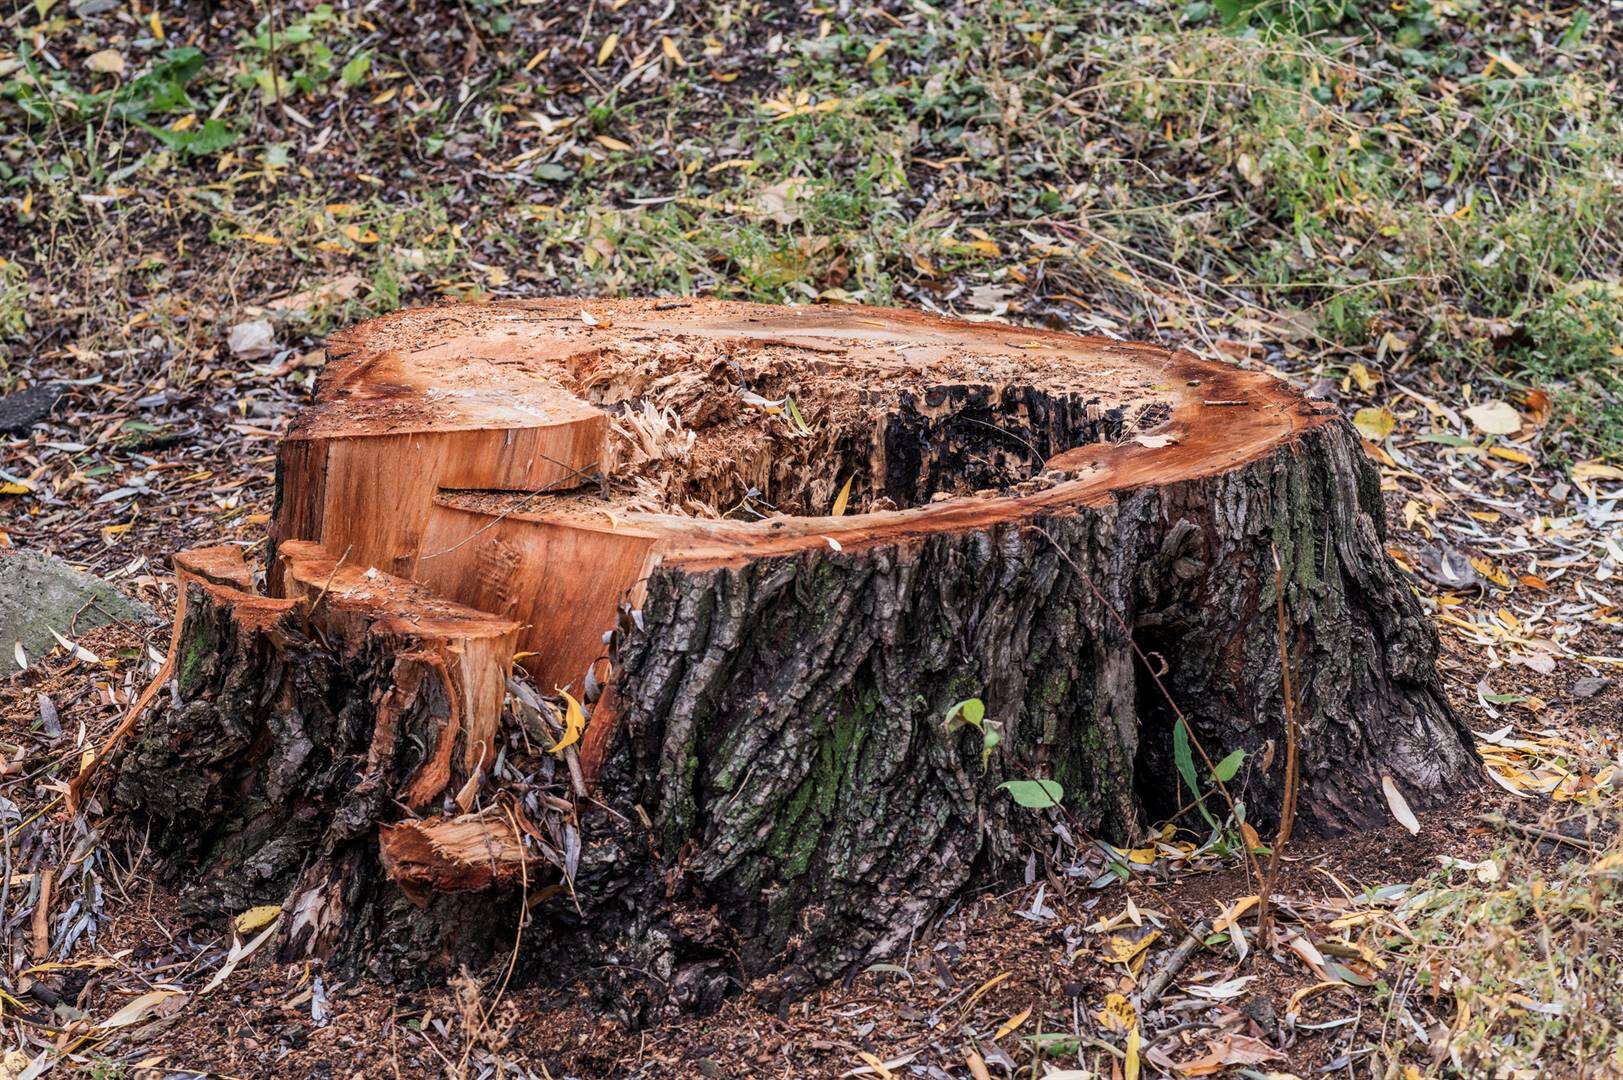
<point>767,550</point>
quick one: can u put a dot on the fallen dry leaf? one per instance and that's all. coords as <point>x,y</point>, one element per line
<point>1375,424</point>
<point>1494,418</point>
<point>106,62</point>
<point>1400,806</point>
<point>1227,1051</point>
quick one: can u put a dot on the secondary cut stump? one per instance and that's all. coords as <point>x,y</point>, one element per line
<point>769,549</point>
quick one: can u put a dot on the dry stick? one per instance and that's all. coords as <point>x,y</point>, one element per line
<point>42,917</point>
<point>1287,812</point>
<point>1251,858</point>
<point>1536,832</point>
<point>1180,956</point>
<point>518,937</point>
<point>325,585</point>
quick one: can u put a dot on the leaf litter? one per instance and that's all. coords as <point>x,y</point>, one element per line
<point>1398,948</point>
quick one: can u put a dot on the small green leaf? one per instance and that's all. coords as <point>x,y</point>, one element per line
<point>1035,794</point>
<point>1183,758</point>
<point>1229,766</point>
<point>969,711</point>
<point>990,738</point>
<point>794,414</point>
<point>353,72</point>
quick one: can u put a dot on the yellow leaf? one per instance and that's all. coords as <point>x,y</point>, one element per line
<point>1596,470</point>
<point>1143,856</point>
<point>262,238</point>
<point>574,723</point>
<point>1130,1066</point>
<point>984,987</point>
<point>1375,424</point>
<point>256,917</point>
<point>1012,1023</point>
<point>1124,950</point>
<point>1118,1014</point>
<point>1362,376</point>
<point>1295,1004</point>
<point>1233,913</point>
<point>672,53</point>
<point>1510,65</point>
<point>138,1009</point>
<point>843,497</point>
<point>156,24</point>
<point>358,234</point>
<point>731,163</point>
<point>1490,571</point>
<point>876,52</point>
<point>1508,454</point>
<point>11,487</point>
<point>611,143</point>
<point>607,50</point>
<point>876,1065</point>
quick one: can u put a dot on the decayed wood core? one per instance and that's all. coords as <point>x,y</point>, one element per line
<point>536,460</point>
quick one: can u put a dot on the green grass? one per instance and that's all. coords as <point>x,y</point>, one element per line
<point>1521,970</point>
<point>1353,180</point>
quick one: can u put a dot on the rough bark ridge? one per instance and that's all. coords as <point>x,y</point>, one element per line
<point>776,797</point>
<point>266,772</point>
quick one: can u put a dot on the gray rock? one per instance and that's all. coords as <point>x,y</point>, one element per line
<point>1449,568</point>
<point>39,593</point>
<point>1589,686</point>
<point>24,409</point>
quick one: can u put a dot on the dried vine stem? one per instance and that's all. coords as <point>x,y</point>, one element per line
<point>1287,812</point>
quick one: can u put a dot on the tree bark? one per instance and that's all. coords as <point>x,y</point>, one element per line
<point>776,796</point>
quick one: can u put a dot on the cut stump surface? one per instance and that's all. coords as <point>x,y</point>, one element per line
<point>769,549</point>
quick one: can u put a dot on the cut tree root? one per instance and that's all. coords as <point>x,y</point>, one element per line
<point>633,508</point>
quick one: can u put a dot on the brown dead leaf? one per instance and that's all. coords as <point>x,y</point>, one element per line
<point>1227,1051</point>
